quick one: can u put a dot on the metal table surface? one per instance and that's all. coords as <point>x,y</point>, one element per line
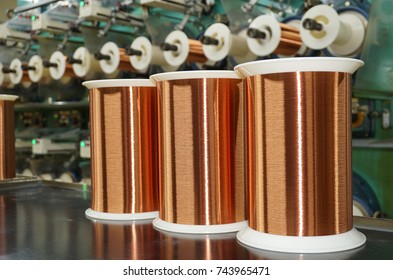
<point>46,220</point>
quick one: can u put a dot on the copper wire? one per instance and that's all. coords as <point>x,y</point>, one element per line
<point>125,64</point>
<point>290,41</point>
<point>201,151</point>
<point>299,153</point>
<point>196,53</point>
<point>124,149</point>
<point>7,140</point>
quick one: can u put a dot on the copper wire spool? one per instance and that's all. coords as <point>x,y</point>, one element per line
<point>290,41</point>
<point>7,137</point>
<point>298,130</point>
<point>196,53</point>
<point>201,151</point>
<point>125,64</point>
<point>123,133</point>
<point>299,153</point>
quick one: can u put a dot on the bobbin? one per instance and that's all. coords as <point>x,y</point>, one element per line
<point>126,193</point>
<point>271,31</point>
<point>321,27</point>
<point>179,40</point>
<point>152,54</point>
<point>218,43</point>
<point>111,57</point>
<point>85,65</point>
<point>201,152</point>
<point>37,72</point>
<point>289,183</point>
<point>7,137</point>
<point>59,67</point>
<point>16,76</point>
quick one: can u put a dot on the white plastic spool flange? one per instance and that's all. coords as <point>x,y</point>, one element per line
<point>199,229</point>
<point>60,60</point>
<point>229,44</point>
<point>95,215</point>
<point>8,97</point>
<point>178,57</point>
<point>343,34</point>
<point>89,66</point>
<point>40,72</point>
<point>271,27</point>
<point>16,77</point>
<point>141,62</point>
<point>110,66</point>
<point>354,44</point>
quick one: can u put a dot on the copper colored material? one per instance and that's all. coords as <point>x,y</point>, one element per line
<point>7,140</point>
<point>133,241</point>
<point>201,151</point>
<point>125,64</point>
<point>290,41</point>
<point>124,149</point>
<point>196,53</point>
<point>299,153</point>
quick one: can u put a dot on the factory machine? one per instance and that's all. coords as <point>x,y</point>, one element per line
<point>48,48</point>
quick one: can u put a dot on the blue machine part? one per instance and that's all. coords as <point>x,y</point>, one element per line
<point>364,198</point>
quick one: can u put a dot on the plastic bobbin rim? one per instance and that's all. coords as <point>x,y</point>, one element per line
<point>301,64</point>
<point>198,229</point>
<point>301,244</point>
<point>16,65</point>
<point>270,25</point>
<point>108,83</point>
<point>352,46</point>
<point>95,215</point>
<point>82,69</point>
<point>110,66</point>
<point>8,97</point>
<point>180,40</point>
<point>141,63</point>
<point>326,16</point>
<point>196,74</point>
<point>36,75</point>
<point>220,32</point>
<point>60,60</point>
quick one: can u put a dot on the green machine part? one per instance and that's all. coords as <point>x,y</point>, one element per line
<point>373,155</point>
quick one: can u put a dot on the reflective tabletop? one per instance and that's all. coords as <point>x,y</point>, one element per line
<point>46,220</point>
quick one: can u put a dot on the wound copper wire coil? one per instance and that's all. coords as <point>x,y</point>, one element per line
<point>133,241</point>
<point>299,153</point>
<point>125,64</point>
<point>124,149</point>
<point>201,151</point>
<point>196,53</point>
<point>7,140</point>
<point>69,71</point>
<point>290,41</point>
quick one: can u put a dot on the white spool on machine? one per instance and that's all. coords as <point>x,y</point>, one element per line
<point>218,43</point>
<point>36,70</point>
<point>5,80</point>
<point>18,72</point>
<point>59,69</point>
<point>170,55</point>
<point>266,36</point>
<point>342,34</point>
<point>84,63</point>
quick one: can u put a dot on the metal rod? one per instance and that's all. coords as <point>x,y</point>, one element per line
<point>100,56</point>
<point>207,40</point>
<point>312,24</point>
<point>256,34</point>
<point>168,47</point>
<point>72,60</point>
<point>132,51</point>
<point>48,64</point>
